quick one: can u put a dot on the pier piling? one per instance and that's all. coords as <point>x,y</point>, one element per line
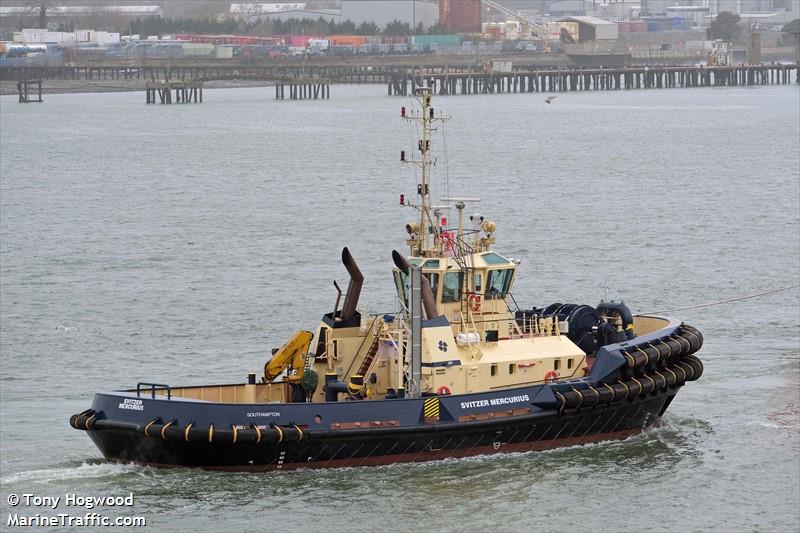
<point>186,91</point>
<point>592,79</point>
<point>304,89</point>
<point>24,90</point>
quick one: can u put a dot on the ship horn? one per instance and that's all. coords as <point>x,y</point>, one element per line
<point>428,301</point>
<point>354,287</point>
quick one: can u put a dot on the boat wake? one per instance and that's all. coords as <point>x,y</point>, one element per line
<point>84,470</point>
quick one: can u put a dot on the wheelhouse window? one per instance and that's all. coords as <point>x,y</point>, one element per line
<point>451,288</point>
<point>402,283</point>
<point>477,278</point>
<point>492,258</point>
<point>498,283</point>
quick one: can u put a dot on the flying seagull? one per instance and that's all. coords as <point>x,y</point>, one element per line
<point>550,99</point>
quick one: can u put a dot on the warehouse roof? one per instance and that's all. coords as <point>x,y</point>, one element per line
<point>591,21</point>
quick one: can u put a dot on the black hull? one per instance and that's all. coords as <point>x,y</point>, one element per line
<point>629,387</point>
<point>399,445</point>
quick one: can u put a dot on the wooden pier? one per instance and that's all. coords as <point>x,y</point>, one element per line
<point>583,79</point>
<point>24,90</point>
<point>304,89</point>
<point>186,91</point>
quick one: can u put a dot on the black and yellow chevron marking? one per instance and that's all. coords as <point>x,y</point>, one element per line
<point>430,408</point>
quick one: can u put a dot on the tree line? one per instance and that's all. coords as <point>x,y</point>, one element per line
<point>728,27</point>
<point>321,26</point>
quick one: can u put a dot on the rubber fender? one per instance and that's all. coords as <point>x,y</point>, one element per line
<point>688,369</point>
<point>194,433</point>
<point>173,432</point>
<point>675,346</point>
<point>222,435</point>
<point>660,380</point>
<point>694,337</point>
<point>153,428</point>
<point>697,366</point>
<point>79,420</point>
<point>251,436</point>
<point>592,396</point>
<point>662,351</point>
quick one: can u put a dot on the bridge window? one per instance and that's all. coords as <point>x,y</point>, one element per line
<point>494,369</point>
<point>478,282</point>
<point>557,364</point>
<point>492,258</point>
<point>499,282</point>
<point>451,288</point>
<point>512,368</point>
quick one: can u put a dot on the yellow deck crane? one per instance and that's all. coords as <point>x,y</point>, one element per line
<point>291,355</point>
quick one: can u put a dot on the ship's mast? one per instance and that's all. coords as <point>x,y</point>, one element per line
<point>427,240</point>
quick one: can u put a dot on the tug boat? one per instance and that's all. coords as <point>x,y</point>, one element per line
<point>459,370</point>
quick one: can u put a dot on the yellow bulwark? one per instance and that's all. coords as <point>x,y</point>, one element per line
<point>290,354</point>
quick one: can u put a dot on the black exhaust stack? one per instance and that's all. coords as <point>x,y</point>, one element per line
<point>428,300</point>
<point>354,287</point>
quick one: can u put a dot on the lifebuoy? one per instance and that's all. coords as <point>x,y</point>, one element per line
<point>444,390</point>
<point>551,377</point>
<point>474,301</point>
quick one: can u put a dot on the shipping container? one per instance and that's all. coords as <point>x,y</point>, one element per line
<point>394,39</point>
<point>224,52</point>
<point>197,49</point>
<point>352,40</point>
<point>441,40</point>
<point>637,26</point>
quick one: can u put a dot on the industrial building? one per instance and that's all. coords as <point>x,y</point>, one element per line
<point>618,10</point>
<point>594,29</point>
<point>463,16</point>
<point>380,12</point>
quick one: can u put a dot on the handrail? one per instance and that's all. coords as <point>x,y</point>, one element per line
<point>513,300</point>
<point>349,368</point>
<point>153,387</point>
